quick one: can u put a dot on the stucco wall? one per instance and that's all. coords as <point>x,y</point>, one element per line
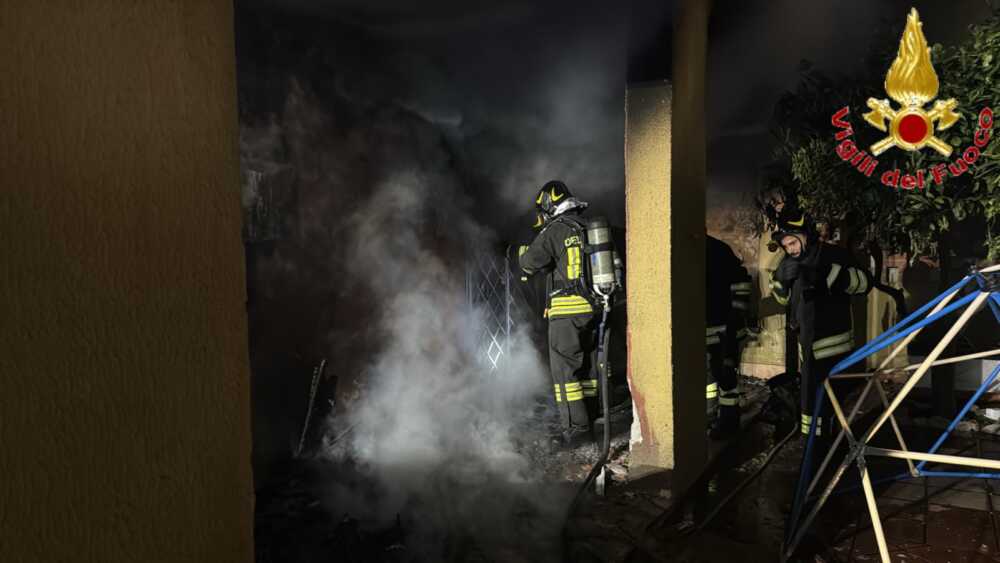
<point>665,214</point>
<point>650,323</point>
<point>124,402</point>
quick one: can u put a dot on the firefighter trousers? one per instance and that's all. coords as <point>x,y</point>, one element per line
<point>814,373</point>
<point>721,380</point>
<point>571,347</point>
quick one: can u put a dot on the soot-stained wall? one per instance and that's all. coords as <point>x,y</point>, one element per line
<point>124,400</point>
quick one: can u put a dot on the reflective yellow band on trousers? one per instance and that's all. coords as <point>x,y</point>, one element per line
<point>573,392</point>
<point>729,399</point>
<point>807,420</point>
<point>712,391</point>
<point>589,387</point>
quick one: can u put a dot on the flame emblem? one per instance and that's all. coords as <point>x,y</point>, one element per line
<point>912,83</point>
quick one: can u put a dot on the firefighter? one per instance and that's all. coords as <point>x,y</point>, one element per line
<point>558,250</point>
<point>727,292</point>
<point>816,281</point>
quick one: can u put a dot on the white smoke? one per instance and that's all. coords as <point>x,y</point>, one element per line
<point>434,427</point>
<point>436,438</point>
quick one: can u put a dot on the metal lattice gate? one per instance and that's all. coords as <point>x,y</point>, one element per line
<point>491,286</point>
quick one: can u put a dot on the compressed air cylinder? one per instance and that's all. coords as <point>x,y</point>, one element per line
<point>602,263</point>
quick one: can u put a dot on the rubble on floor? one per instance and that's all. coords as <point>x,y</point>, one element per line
<point>640,520</point>
<point>297,521</point>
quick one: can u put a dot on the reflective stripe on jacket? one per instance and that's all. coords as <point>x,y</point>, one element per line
<point>558,249</point>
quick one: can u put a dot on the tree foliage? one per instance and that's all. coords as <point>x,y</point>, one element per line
<point>807,170</point>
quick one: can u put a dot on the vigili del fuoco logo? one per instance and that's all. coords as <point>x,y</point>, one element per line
<point>912,83</point>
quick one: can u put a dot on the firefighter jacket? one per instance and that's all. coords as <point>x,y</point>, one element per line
<point>558,248</point>
<point>727,300</point>
<point>817,289</point>
<point>727,284</point>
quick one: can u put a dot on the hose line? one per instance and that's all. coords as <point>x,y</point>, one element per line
<point>603,334</point>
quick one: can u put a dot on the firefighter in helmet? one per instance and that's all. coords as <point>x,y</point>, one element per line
<point>727,289</point>
<point>816,281</point>
<point>558,250</point>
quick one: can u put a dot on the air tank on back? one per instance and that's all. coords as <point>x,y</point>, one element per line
<point>602,256</point>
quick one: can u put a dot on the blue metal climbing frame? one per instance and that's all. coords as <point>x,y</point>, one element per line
<point>983,287</point>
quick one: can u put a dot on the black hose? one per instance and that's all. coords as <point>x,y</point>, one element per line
<point>602,374</point>
<point>749,479</point>
<point>602,368</point>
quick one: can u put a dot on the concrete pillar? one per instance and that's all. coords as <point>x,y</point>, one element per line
<point>665,216</point>
<point>124,380</point>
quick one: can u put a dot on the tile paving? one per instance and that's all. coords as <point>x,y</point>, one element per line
<point>928,519</point>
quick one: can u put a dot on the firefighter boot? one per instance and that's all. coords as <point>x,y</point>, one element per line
<point>621,412</point>
<point>576,436</point>
<point>620,415</point>
<point>782,407</point>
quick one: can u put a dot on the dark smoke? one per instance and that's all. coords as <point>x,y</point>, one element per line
<point>524,93</point>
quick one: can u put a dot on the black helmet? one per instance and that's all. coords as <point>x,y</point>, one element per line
<point>552,194</point>
<point>792,221</point>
